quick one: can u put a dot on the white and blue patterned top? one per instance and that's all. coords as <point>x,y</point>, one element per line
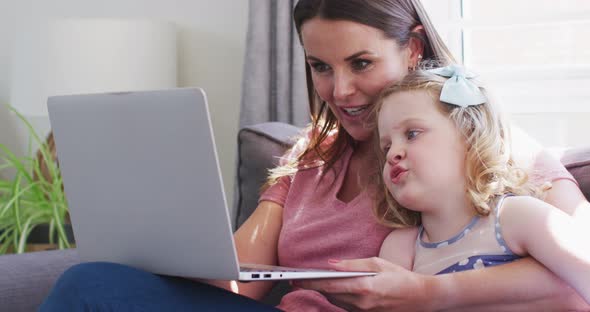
<point>480,244</point>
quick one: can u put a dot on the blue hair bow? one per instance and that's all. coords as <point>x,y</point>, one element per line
<point>459,89</point>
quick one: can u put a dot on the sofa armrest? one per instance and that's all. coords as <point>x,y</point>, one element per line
<point>259,149</point>
<point>26,279</point>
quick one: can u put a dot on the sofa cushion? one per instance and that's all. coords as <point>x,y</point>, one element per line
<point>577,161</point>
<point>259,149</point>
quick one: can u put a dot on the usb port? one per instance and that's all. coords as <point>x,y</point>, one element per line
<point>255,275</point>
<point>267,275</point>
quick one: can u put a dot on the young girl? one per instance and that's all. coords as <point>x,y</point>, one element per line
<point>452,189</point>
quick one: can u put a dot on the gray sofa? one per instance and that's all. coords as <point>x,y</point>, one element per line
<point>26,279</point>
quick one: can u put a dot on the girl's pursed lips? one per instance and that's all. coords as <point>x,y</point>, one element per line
<point>396,173</point>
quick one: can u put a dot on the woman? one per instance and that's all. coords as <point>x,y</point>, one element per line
<point>317,209</point>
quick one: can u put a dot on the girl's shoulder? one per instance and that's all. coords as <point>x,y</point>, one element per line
<point>519,217</point>
<point>514,207</point>
<point>518,204</point>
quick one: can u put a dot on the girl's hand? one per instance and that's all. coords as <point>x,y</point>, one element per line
<point>393,288</point>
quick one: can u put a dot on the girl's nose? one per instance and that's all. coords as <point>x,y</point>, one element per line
<point>395,155</point>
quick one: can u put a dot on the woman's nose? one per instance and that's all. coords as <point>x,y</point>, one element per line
<point>343,86</point>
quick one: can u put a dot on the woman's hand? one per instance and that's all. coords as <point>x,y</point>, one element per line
<point>393,288</point>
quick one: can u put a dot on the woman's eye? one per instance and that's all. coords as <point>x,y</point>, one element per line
<point>360,64</point>
<point>319,67</point>
<point>385,149</point>
<point>412,134</point>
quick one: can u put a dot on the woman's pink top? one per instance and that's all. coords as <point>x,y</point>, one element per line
<point>317,226</point>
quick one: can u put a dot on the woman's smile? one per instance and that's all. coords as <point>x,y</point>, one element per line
<point>355,110</point>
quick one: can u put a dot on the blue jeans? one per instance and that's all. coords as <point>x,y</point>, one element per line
<point>102,286</point>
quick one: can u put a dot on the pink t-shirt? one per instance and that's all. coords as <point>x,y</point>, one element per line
<point>317,226</point>
<point>547,168</point>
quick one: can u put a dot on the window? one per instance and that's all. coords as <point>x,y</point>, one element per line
<point>533,54</point>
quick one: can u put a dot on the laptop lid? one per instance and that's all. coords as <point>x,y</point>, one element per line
<point>144,187</point>
<point>143,182</point>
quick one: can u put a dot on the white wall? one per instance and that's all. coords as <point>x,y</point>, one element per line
<point>211,43</point>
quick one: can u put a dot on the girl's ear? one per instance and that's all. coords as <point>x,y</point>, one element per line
<point>416,46</point>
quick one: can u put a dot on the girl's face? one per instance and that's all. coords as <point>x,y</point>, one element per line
<point>425,153</point>
<point>351,63</point>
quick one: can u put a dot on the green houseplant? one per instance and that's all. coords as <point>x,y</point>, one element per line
<point>35,196</point>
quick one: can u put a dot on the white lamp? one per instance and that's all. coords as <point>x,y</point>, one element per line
<point>87,55</point>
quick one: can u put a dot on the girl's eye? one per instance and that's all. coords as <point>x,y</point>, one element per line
<point>360,64</point>
<point>385,149</point>
<point>412,134</point>
<point>319,67</point>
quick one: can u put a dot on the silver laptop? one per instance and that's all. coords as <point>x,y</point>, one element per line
<point>142,179</point>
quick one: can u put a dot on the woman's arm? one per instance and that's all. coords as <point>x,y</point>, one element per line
<point>565,195</point>
<point>523,285</point>
<point>256,242</point>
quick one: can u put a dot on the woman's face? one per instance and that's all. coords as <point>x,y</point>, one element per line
<point>351,63</point>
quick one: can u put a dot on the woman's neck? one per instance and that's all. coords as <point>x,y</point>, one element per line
<point>447,218</point>
<point>357,176</point>
<point>365,150</point>
<point>364,158</point>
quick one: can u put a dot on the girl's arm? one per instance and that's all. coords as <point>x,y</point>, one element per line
<point>551,236</point>
<point>256,242</point>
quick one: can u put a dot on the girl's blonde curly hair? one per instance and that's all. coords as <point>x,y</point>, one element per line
<point>490,169</point>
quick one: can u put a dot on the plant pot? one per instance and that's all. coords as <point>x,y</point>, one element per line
<point>38,239</point>
<point>40,234</point>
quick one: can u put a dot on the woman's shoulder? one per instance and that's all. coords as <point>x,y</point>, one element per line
<point>541,164</point>
<point>302,144</point>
